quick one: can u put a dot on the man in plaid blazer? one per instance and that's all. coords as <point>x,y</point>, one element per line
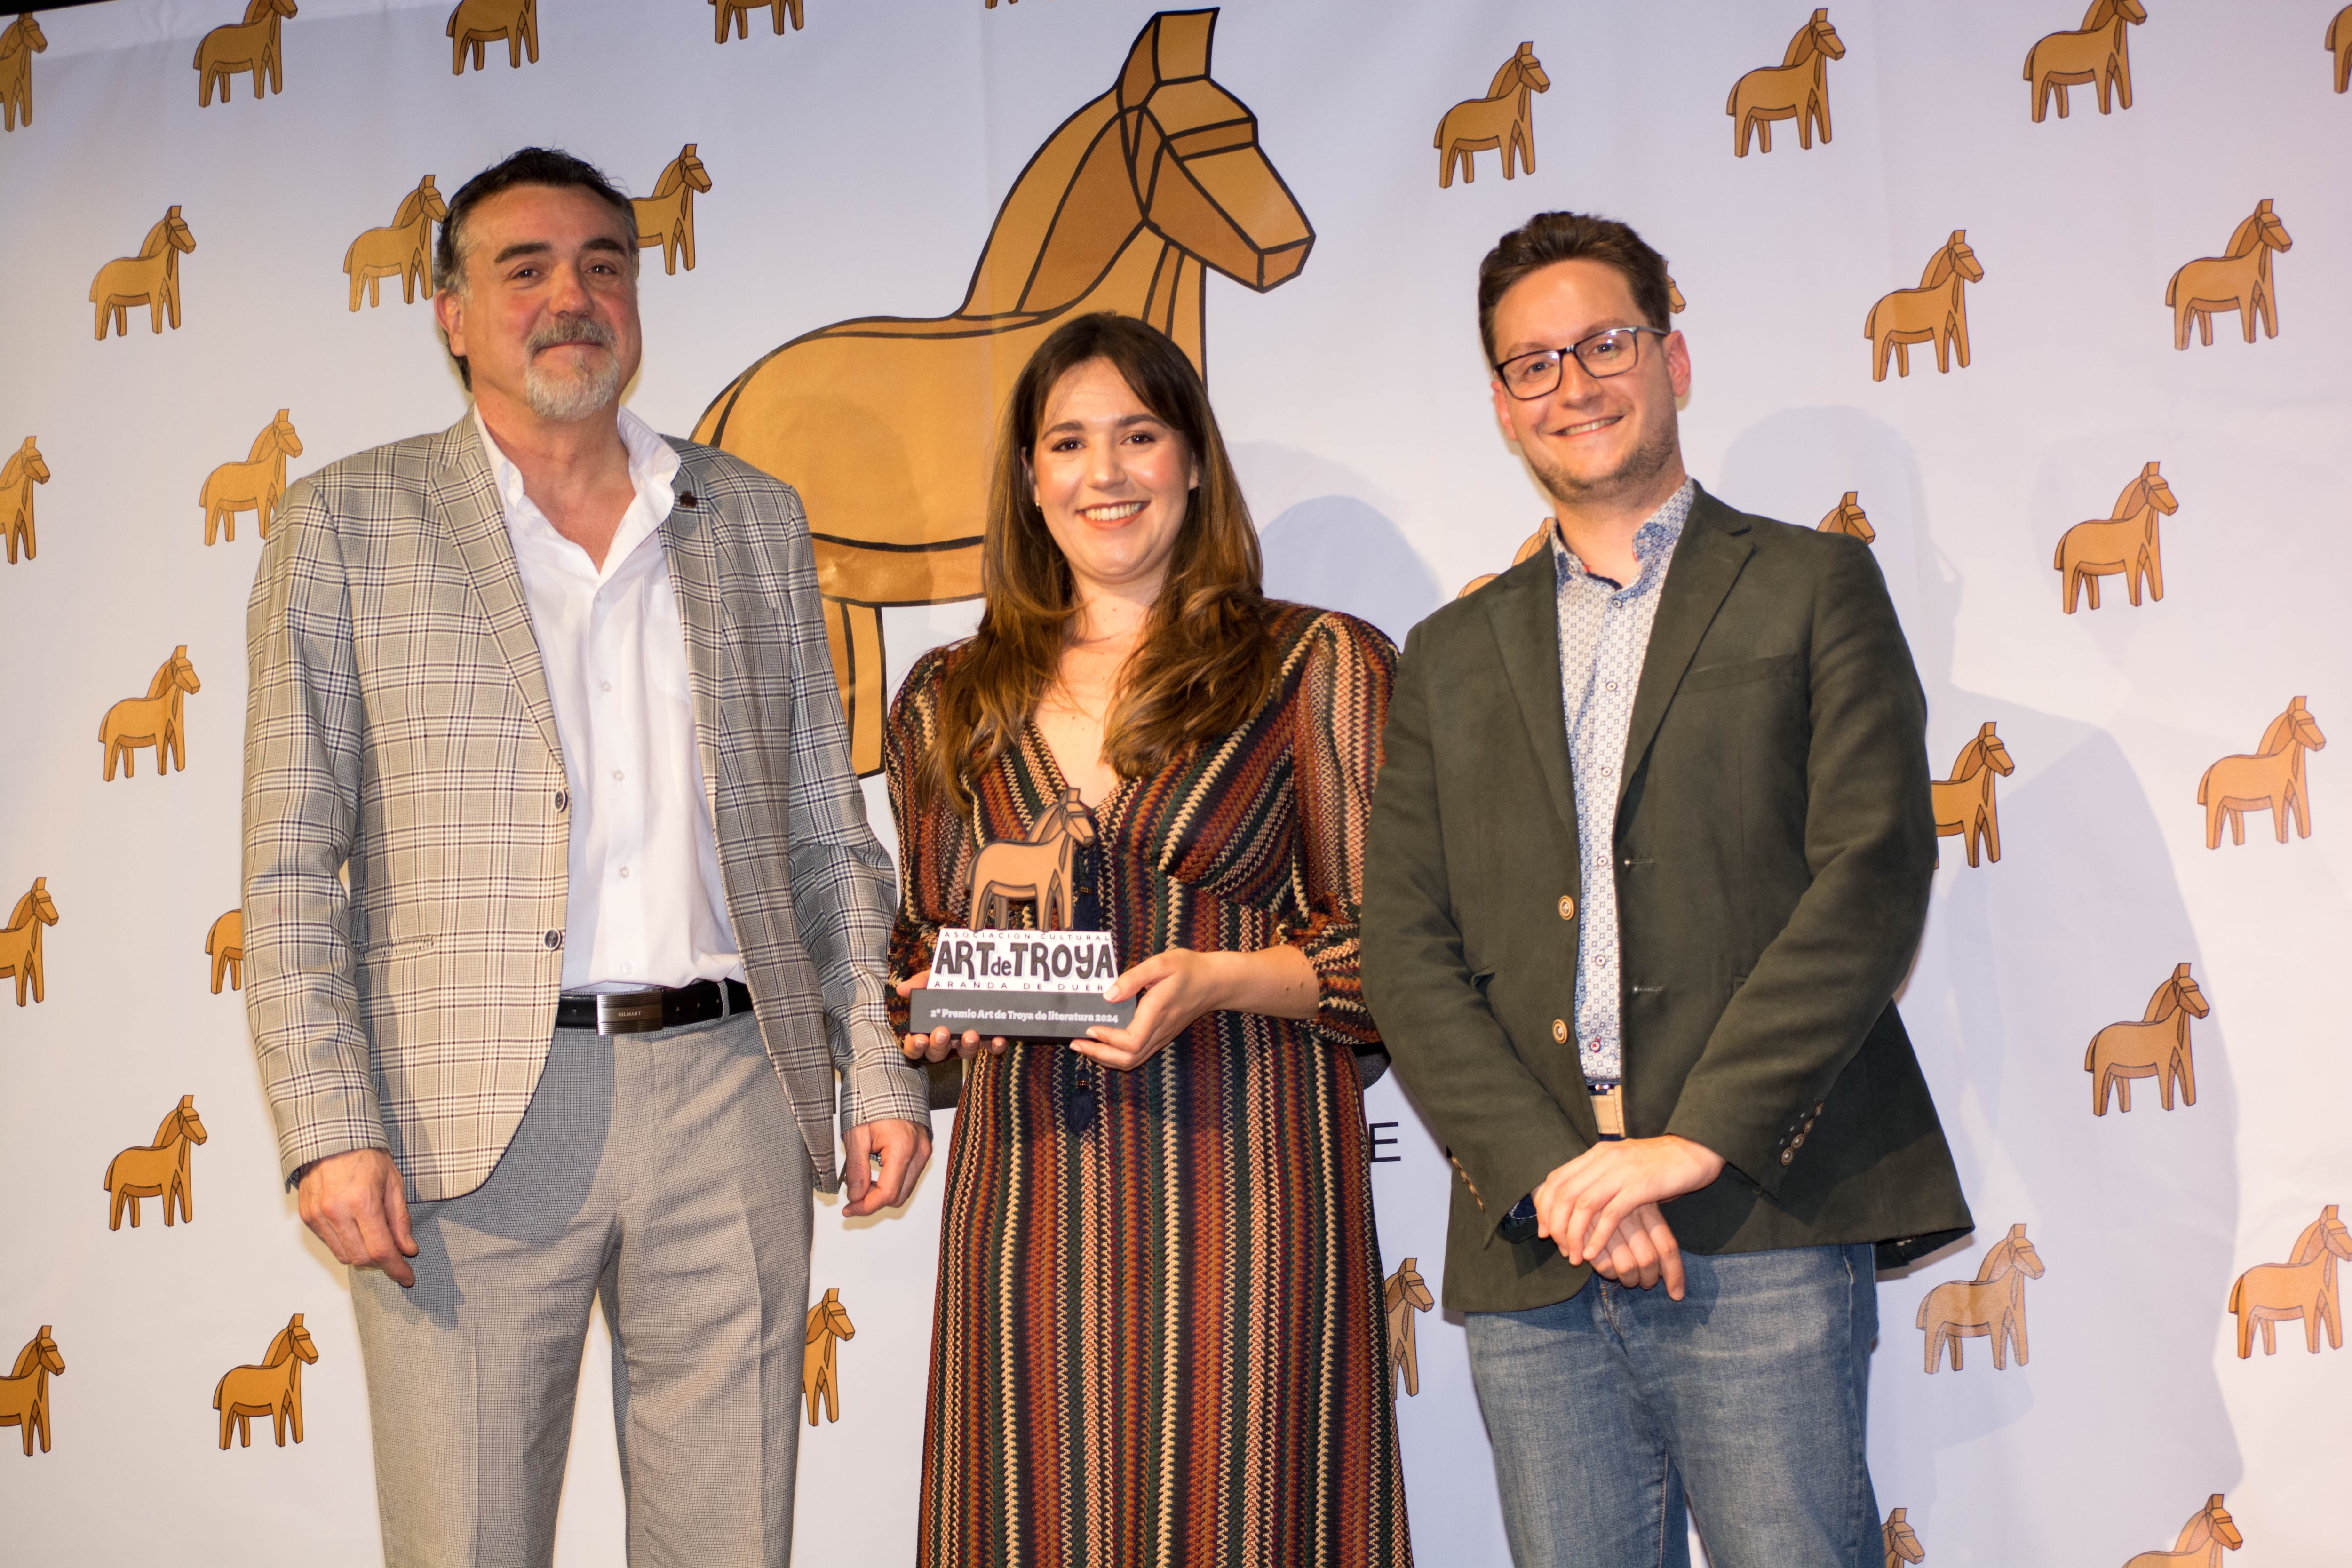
<point>561,916</point>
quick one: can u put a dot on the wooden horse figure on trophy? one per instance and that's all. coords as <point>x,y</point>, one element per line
<point>24,1392</point>
<point>255,485</point>
<point>666,218</point>
<point>151,278</point>
<point>23,470</point>
<point>1528,546</point>
<point>401,250</point>
<point>1994,1304</point>
<point>2156,1046</point>
<point>2099,51</point>
<point>740,12</point>
<point>2239,280</point>
<point>1937,312</point>
<point>156,719</point>
<point>273,1389</point>
<point>2303,1287</point>
<point>1901,1541</point>
<point>476,23</point>
<point>1500,120</point>
<point>224,945</point>
<point>2124,542</point>
<point>20,940</point>
<point>20,40</point>
<point>158,1170</point>
<point>250,44</point>
<point>1405,1294</point>
<point>2208,1533</point>
<point>1797,88</point>
<point>2271,780</point>
<point>1965,804</point>
<point>884,423</point>
<point>1041,869</point>
<point>828,1324</point>
<point>2338,41</point>
<point>1847,518</point>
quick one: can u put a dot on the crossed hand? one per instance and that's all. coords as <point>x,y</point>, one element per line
<point>1601,1207</point>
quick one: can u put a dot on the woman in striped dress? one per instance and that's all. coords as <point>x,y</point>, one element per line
<point>1158,1336</point>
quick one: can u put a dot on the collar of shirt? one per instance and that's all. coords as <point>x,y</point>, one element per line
<point>1653,544</point>
<point>653,468</point>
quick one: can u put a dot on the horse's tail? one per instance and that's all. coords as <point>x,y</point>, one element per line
<point>2172,290</point>
<point>1870,323</point>
<point>2202,782</point>
<point>2089,1051</point>
<point>217,1387</point>
<point>199,61</point>
<point>2029,61</point>
<point>451,31</point>
<point>108,1184</point>
<point>2237,1293</point>
<point>1731,102</point>
<point>355,250</point>
<point>1923,1310</point>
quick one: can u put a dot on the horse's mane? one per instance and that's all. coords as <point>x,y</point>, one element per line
<point>27,1358</point>
<point>255,10</point>
<point>1507,78</point>
<point>264,444</point>
<point>11,37</point>
<point>671,177</point>
<point>1939,267</point>
<point>12,470</point>
<point>281,1348</point>
<point>2279,736</point>
<point>158,240</point>
<point>2198,1532</point>
<point>2133,500</point>
<point>2246,238</point>
<point>1802,47</point>
<point>24,911</point>
<point>1970,761</point>
<point>405,214</point>
<point>164,1130</point>
<point>2100,13</point>
<point>1998,1261</point>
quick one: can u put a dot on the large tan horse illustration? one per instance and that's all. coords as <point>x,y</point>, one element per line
<point>2124,542</point>
<point>2238,280</point>
<point>158,1170</point>
<point>1965,804</point>
<point>828,1325</point>
<point>2209,1532</point>
<point>403,250</point>
<point>884,423</point>
<point>1901,1541</point>
<point>1797,88</point>
<point>1991,1305</point>
<point>250,44</point>
<point>1848,518</point>
<point>2271,780</point>
<point>2303,1287</point>
<point>20,40</point>
<point>24,1392</point>
<point>255,485</point>
<point>2156,1046</point>
<point>24,469</point>
<point>156,719</point>
<point>476,23</point>
<point>151,278</point>
<point>273,1389</point>
<point>2099,51</point>
<point>2338,41</point>
<point>20,940</point>
<point>1498,120</point>
<point>1528,546</point>
<point>739,11</point>
<point>666,218</point>
<point>1406,1293</point>
<point>1937,312</point>
<point>1041,869</point>
<point>225,942</point>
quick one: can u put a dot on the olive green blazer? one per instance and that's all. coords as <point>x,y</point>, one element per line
<point>1775,848</point>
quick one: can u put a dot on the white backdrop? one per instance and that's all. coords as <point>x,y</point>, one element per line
<point>857,166</point>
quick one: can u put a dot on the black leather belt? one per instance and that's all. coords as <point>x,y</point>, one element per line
<point>641,1012</point>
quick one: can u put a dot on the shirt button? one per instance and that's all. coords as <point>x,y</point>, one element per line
<point>1604,773</point>
<point>1613,686</point>
<point>1560,1031</point>
<point>618,776</point>
<point>1567,909</point>
<point>628,969</point>
<point>606,685</point>
<point>625,873</point>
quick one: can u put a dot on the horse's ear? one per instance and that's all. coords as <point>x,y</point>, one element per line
<point>2180,972</point>
<point>2264,207</point>
<point>2148,472</point>
<point>1820,16</point>
<point>2017,1231</point>
<point>687,151</point>
<point>181,651</point>
<point>281,415</point>
<point>1986,734</point>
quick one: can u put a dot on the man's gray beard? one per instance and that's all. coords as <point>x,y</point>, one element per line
<point>1638,472</point>
<point>558,395</point>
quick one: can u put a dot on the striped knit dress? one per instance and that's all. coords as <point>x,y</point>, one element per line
<point>1158,1337</point>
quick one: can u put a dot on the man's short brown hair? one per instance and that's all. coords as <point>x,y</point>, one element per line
<point>1549,237</point>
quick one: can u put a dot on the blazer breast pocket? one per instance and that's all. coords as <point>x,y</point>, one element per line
<point>1715,677</point>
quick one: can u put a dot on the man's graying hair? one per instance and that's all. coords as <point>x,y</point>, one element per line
<point>531,166</point>
<point>1549,237</point>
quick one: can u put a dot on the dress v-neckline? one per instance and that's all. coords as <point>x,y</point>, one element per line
<point>1051,765</point>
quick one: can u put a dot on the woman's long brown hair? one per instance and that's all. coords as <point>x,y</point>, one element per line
<point>1204,663</point>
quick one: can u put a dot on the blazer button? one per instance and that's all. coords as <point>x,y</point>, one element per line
<point>1560,1031</point>
<point>564,800</point>
<point>553,938</point>
<point>1788,1156</point>
<point>1798,1142</point>
<point>1568,908</point>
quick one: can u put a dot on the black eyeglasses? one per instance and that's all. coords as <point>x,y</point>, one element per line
<point>1611,352</point>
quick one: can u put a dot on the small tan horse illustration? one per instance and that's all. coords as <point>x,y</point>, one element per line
<point>476,23</point>
<point>1528,546</point>
<point>2099,51</point>
<point>1937,312</point>
<point>151,278</point>
<point>2123,542</point>
<point>24,469</point>
<point>2239,280</point>
<point>1675,303</point>
<point>20,940</point>
<point>1847,518</point>
<point>1040,869</point>
<point>24,1392</point>
<point>1406,1293</point>
<point>250,44</point>
<point>1797,88</point>
<point>1498,120</point>
<point>1902,1542</point>
<point>884,423</point>
<point>2209,1532</point>
<point>226,944</point>
<point>255,485</point>
<point>156,719</point>
<point>1965,804</point>
<point>20,40</point>
<point>2303,1287</point>
<point>2339,44</point>
<point>273,1389</point>
<point>828,1325</point>
<point>666,218</point>
<point>158,1170</point>
<point>2271,780</point>
<point>1994,1304</point>
<point>403,250</point>
<point>740,11</point>
<point>2156,1046</point>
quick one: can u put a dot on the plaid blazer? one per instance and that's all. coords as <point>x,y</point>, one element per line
<point>406,830</point>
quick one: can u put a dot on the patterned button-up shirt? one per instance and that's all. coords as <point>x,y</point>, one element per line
<point>1604,634</point>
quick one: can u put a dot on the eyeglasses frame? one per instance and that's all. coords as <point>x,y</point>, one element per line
<point>1575,351</point>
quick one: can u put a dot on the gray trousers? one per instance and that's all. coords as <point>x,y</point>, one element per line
<point>664,1173</point>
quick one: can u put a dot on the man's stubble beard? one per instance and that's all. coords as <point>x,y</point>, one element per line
<point>1639,471</point>
<point>571,394</point>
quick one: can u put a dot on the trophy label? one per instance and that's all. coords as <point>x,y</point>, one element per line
<point>1034,984</point>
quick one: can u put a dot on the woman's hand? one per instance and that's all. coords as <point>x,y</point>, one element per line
<point>1178,985</point>
<point>939,1045</point>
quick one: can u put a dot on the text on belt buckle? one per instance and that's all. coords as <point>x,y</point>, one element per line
<point>628,1012</point>
<point>1609,1110</point>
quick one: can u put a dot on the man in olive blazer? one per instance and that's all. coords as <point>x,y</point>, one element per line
<point>1765,830</point>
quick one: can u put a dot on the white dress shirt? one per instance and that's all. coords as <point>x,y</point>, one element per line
<point>645,905</point>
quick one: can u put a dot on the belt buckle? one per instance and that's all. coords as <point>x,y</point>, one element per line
<point>628,1012</point>
<point>1609,1110</point>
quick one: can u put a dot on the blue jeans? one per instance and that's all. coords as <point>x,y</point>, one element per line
<point>1746,1398</point>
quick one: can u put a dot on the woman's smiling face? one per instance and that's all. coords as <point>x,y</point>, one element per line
<point>1112,479</point>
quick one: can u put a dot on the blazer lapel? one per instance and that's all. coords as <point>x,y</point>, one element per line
<point>466,499</point>
<point>691,546</point>
<point>1705,563</point>
<point>1523,607</point>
